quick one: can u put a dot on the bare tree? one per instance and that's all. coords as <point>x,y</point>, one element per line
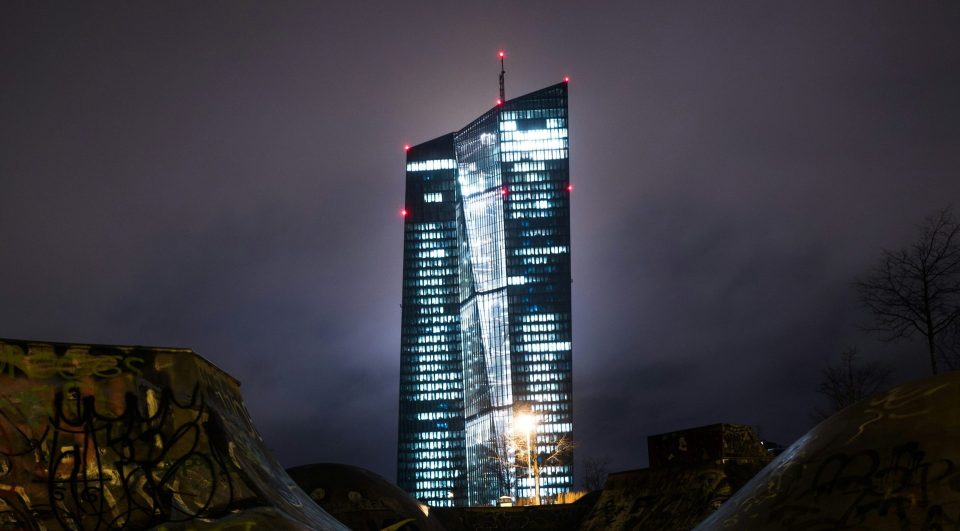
<point>558,453</point>
<point>508,454</point>
<point>500,463</point>
<point>849,382</point>
<point>594,473</point>
<point>917,289</point>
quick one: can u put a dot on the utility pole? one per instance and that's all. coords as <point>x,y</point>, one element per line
<point>536,478</point>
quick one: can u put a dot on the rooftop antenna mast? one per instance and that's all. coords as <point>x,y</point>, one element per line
<point>503,96</point>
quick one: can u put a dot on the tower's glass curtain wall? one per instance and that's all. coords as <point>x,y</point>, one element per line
<point>486,306</point>
<point>431,450</point>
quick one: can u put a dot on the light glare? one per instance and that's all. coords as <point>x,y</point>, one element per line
<point>525,423</point>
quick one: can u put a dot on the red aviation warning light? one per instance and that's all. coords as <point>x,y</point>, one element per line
<point>504,191</point>
<point>403,212</point>
<point>499,101</point>
<point>501,54</point>
<point>569,187</point>
<point>406,147</point>
<point>566,79</point>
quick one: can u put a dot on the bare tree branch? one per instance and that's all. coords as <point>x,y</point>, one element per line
<point>507,453</point>
<point>849,382</point>
<point>594,473</point>
<point>917,289</point>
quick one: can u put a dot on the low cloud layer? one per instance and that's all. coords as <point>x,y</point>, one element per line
<point>227,177</point>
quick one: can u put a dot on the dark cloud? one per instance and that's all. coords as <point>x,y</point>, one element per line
<point>227,176</point>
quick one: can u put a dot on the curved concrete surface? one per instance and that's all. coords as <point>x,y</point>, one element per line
<point>103,437</point>
<point>361,499</point>
<point>890,462</point>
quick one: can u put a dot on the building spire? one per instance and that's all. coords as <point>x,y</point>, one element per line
<point>503,96</point>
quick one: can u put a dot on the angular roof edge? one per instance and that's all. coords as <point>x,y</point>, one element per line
<point>429,145</point>
<point>535,92</point>
<point>177,350</point>
<point>496,108</point>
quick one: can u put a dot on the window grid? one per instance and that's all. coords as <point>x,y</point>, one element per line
<point>486,303</point>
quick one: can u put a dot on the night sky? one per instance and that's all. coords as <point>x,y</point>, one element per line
<point>227,176</point>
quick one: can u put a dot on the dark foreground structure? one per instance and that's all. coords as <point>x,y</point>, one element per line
<point>888,463</point>
<point>486,324</point>
<point>692,473</point>
<point>96,437</point>
<point>363,500</point>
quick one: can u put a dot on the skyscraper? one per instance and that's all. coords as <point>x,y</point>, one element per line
<point>486,320</point>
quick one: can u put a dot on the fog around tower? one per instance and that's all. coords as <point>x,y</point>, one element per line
<point>228,177</point>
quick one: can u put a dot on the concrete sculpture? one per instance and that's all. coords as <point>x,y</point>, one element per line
<point>890,462</point>
<point>97,437</point>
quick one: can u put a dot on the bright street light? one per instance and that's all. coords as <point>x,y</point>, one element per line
<point>526,424</point>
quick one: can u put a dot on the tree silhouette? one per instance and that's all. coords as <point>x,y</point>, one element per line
<point>917,289</point>
<point>500,464</point>
<point>594,473</point>
<point>849,382</point>
<point>507,455</point>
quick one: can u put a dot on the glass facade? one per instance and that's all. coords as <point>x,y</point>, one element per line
<point>431,448</point>
<point>486,305</point>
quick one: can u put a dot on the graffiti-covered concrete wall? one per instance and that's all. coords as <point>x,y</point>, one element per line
<point>363,500</point>
<point>890,462</point>
<point>668,498</point>
<point>103,437</point>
